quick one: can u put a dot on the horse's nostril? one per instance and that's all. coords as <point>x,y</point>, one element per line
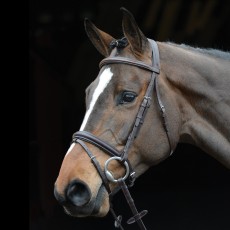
<point>78,193</point>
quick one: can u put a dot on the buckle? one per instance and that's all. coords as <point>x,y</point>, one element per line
<point>132,179</point>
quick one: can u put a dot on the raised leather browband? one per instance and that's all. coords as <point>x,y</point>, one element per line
<point>123,60</point>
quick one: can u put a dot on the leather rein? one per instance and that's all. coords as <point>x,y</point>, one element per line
<point>81,137</point>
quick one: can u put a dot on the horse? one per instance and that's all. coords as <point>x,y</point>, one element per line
<point>147,98</point>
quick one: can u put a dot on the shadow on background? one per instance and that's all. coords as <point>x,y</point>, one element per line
<point>189,190</point>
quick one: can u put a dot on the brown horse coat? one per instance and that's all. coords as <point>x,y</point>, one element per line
<point>194,85</point>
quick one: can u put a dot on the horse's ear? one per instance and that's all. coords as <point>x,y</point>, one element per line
<point>100,39</point>
<point>139,43</point>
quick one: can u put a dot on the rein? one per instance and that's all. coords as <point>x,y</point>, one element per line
<point>83,136</point>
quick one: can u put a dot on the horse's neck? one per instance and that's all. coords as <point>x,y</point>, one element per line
<point>200,85</point>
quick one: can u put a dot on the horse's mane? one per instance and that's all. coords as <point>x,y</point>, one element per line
<point>207,51</point>
<point>123,42</point>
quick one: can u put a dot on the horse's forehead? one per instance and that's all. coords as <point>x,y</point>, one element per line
<point>127,77</point>
<point>101,81</point>
<point>115,75</point>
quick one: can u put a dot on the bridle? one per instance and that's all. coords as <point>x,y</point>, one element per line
<point>122,156</point>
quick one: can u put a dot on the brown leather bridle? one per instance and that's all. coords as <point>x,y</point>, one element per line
<point>122,156</point>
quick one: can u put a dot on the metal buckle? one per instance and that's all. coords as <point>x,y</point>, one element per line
<point>132,179</point>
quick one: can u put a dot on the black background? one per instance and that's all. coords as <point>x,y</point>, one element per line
<point>190,190</point>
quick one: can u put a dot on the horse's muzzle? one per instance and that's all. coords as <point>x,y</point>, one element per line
<point>78,201</point>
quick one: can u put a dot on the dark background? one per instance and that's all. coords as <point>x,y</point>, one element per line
<point>190,190</point>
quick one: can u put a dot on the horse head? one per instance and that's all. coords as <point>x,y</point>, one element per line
<point>113,102</point>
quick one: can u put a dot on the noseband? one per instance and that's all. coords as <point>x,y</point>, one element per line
<point>122,156</point>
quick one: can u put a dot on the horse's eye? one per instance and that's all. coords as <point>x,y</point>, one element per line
<point>127,97</point>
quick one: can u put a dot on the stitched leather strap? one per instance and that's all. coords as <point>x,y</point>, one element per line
<point>96,165</point>
<point>123,60</point>
<point>90,138</point>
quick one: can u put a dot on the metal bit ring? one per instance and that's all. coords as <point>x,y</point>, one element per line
<point>109,174</point>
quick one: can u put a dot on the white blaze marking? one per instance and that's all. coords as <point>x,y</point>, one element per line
<point>104,80</point>
<point>70,148</point>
